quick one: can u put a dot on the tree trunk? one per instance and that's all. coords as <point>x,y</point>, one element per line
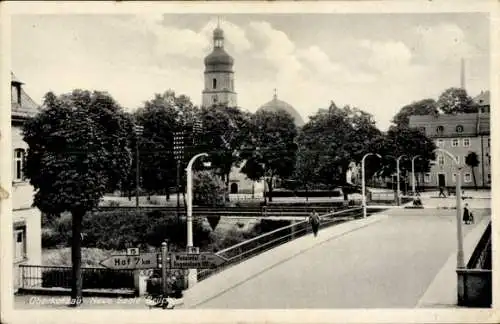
<point>474,177</point>
<point>270,191</point>
<point>226,193</point>
<point>307,192</point>
<point>76,257</point>
<point>167,193</point>
<point>129,195</point>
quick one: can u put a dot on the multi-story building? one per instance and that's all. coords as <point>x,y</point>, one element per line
<point>26,219</point>
<point>459,134</point>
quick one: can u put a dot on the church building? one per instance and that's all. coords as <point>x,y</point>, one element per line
<point>219,89</point>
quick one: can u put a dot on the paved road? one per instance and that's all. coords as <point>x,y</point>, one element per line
<point>387,264</point>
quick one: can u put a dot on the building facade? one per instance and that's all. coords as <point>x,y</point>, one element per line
<point>26,219</point>
<point>460,135</point>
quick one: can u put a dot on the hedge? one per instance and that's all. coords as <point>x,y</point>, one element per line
<point>92,278</point>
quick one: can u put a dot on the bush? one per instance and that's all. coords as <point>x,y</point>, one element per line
<point>209,189</point>
<point>105,278</point>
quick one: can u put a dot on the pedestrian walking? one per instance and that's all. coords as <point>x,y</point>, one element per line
<point>441,192</point>
<point>314,220</point>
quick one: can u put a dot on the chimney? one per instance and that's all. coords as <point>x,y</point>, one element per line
<point>462,74</point>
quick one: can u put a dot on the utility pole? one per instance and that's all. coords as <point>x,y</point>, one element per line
<point>178,155</point>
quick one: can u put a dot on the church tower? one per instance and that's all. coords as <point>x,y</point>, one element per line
<point>219,75</point>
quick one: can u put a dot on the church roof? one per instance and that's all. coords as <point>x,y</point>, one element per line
<point>219,58</point>
<point>276,104</point>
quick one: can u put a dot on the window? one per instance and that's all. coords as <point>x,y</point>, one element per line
<point>19,243</point>
<point>489,177</point>
<point>214,99</point>
<point>489,142</point>
<point>466,142</point>
<point>427,177</point>
<point>460,129</point>
<point>454,142</point>
<point>19,155</point>
<point>454,177</point>
<point>440,129</point>
<point>458,158</point>
<point>214,83</point>
<point>441,160</point>
<point>467,177</point>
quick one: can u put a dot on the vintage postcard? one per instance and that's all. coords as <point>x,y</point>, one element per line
<point>288,162</point>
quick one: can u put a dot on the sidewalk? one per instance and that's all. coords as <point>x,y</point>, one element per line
<point>442,292</point>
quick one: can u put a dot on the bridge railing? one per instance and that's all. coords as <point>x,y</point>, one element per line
<point>249,248</point>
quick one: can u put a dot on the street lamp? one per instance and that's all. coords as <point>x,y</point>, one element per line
<point>363,185</point>
<point>413,174</point>
<point>189,217</point>
<point>397,180</point>
<point>138,130</point>
<point>460,242</point>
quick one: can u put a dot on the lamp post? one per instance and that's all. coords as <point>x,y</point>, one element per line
<point>363,185</point>
<point>413,174</point>
<point>138,130</point>
<point>397,180</point>
<point>460,242</point>
<point>189,216</point>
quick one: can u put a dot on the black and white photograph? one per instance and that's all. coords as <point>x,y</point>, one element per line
<point>251,158</point>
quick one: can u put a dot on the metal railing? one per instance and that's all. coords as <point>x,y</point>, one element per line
<point>35,276</point>
<point>249,248</point>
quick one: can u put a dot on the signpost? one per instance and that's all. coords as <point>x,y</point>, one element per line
<point>165,260</point>
<point>141,261</point>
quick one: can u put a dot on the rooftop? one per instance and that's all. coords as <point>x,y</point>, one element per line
<point>456,125</point>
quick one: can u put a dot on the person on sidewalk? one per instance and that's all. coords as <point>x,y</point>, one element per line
<point>441,192</point>
<point>314,220</point>
<point>467,215</point>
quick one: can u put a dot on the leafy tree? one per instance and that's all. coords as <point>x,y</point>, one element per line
<point>208,190</point>
<point>472,161</point>
<point>410,142</point>
<point>161,117</point>
<point>270,152</point>
<point>224,132</point>
<point>337,137</point>
<point>421,107</point>
<point>305,167</point>
<point>77,150</point>
<point>456,100</point>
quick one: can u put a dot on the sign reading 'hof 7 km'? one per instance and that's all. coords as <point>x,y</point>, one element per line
<point>142,261</point>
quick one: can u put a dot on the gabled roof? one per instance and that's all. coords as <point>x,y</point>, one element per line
<point>448,125</point>
<point>483,99</point>
<point>27,108</point>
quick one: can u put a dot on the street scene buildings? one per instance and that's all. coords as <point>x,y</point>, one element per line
<point>247,162</point>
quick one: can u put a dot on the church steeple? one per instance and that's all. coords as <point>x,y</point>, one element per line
<point>218,36</point>
<point>219,75</point>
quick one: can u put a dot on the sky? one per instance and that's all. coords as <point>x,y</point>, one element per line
<point>376,62</point>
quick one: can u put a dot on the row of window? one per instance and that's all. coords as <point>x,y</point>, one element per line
<point>461,159</point>
<point>455,142</point>
<point>467,177</point>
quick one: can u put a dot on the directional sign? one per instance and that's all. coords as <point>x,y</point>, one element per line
<point>142,261</point>
<point>195,261</point>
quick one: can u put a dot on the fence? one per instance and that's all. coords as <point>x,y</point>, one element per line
<point>244,250</point>
<point>32,276</point>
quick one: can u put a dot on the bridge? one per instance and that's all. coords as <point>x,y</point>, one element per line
<point>398,258</point>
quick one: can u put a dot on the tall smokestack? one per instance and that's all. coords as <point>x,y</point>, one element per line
<point>462,73</point>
